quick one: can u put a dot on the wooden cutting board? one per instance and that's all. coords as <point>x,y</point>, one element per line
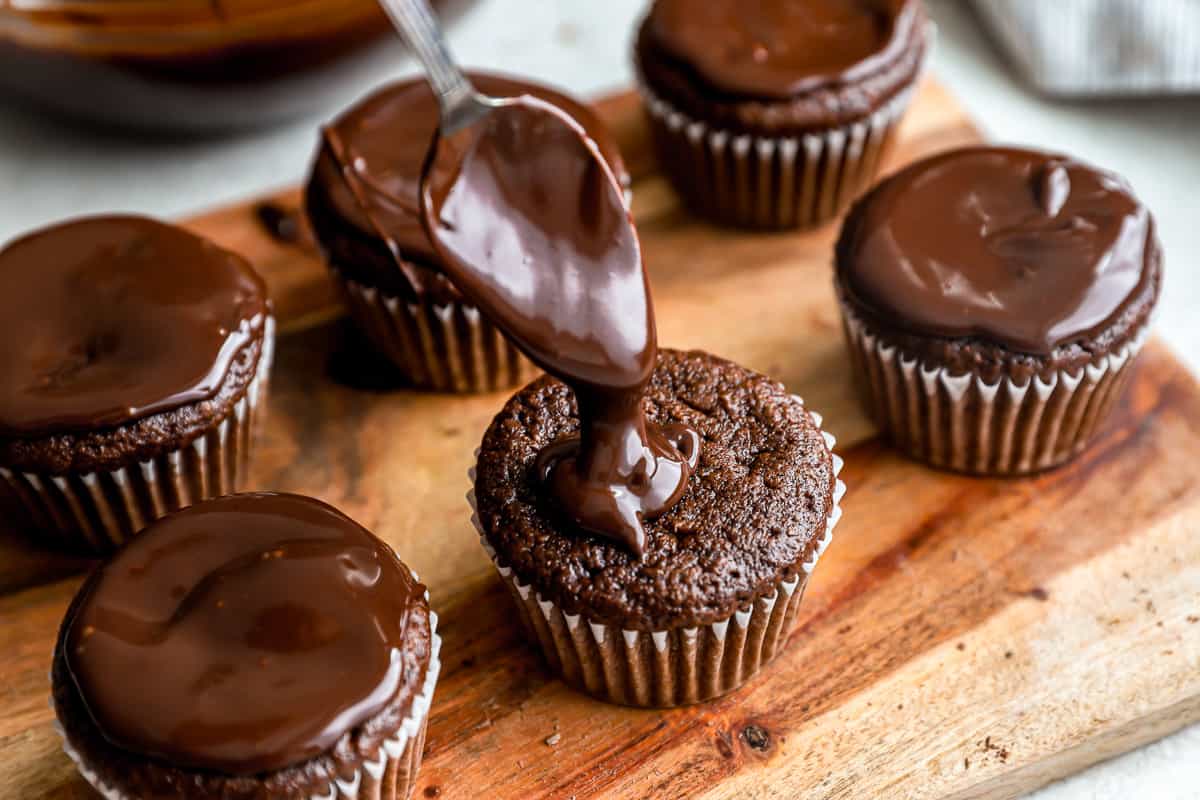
<point>962,638</point>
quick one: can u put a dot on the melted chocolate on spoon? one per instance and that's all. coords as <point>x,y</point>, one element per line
<point>531,226</point>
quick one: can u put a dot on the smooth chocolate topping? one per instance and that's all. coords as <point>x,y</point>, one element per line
<point>241,635</point>
<point>532,227</point>
<point>1030,250</point>
<point>777,49</point>
<point>111,319</point>
<point>378,149</point>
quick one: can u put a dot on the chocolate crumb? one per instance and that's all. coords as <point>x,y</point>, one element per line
<point>757,737</point>
<point>961,646</point>
<point>1008,653</point>
<point>845,629</point>
<point>283,224</point>
<point>1039,594</point>
<point>433,791</point>
<point>966,763</point>
<point>1193,619</point>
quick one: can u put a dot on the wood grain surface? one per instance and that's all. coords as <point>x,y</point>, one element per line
<point>962,638</point>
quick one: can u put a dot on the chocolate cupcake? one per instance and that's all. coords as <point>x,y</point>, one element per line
<point>365,179</point>
<point>132,368</point>
<point>713,594</point>
<point>994,301</point>
<point>253,646</point>
<point>777,113</point>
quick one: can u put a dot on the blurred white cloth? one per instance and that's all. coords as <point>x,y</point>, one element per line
<point>1100,47</point>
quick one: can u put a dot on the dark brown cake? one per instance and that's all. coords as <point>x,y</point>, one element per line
<point>368,754</point>
<point>994,300</point>
<point>135,366</point>
<point>401,299</point>
<point>776,114</point>
<point>755,515</point>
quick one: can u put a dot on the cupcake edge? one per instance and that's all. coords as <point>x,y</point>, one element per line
<point>397,761</point>
<point>673,667</point>
<point>443,347</point>
<point>774,182</point>
<point>98,511</point>
<point>1000,429</point>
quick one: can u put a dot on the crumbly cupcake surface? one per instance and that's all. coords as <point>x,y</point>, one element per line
<point>755,507</point>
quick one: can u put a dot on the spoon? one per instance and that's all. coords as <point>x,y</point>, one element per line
<point>461,104</point>
<point>530,223</point>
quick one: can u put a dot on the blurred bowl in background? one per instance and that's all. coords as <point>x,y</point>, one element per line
<point>190,66</point>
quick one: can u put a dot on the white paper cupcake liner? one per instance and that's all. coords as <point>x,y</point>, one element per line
<point>97,511</point>
<point>1118,47</point>
<point>963,423</point>
<point>672,667</point>
<point>444,347</point>
<point>390,775</point>
<point>771,182</point>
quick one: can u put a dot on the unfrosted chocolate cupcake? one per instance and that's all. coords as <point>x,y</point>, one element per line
<point>366,178</point>
<point>776,113</point>
<point>258,646</point>
<point>714,593</point>
<point>133,363</point>
<point>994,302</point>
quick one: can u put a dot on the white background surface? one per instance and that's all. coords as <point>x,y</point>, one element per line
<point>49,171</point>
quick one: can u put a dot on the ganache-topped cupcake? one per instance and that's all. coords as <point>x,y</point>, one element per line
<point>258,646</point>
<point>711,595</point>
<point>133,364</point>
<point>777,113</point>
<point>994,300</point>
<point>656,515</point>
<point>365,179</point>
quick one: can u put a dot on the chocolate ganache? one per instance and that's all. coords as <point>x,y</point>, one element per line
<point>776,49</point>
<point>369,169</point>
<point>112,319</point>
<point>532,226</point>
<point>241,635</point>
<point>1027,249</point>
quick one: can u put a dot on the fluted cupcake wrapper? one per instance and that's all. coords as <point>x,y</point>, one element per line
<point>96,512</point>
<point>673,667</point>
<point>390,775</point>
<point>963,423</point>
<point>444,347</point>
<point>753,181</point>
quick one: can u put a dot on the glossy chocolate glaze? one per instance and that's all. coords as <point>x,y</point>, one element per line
<point>1027,249</point>
<point>241,635</point>
<point>532,226</point>
<point>776,49</point>
<point>112,319</point>
<point>371,160</point>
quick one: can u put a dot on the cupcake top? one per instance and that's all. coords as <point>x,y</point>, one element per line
<point>384,140</point>
<point>244,635</point>
<point>754,507</point>
<point>776,49</point>
<point>111,319</point>
<point>1028,250</point>
<point>780,67</point>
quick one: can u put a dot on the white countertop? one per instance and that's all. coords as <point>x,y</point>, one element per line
<point>50,171</point>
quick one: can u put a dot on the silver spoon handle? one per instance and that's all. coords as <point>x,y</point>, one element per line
<point>417,23</point>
